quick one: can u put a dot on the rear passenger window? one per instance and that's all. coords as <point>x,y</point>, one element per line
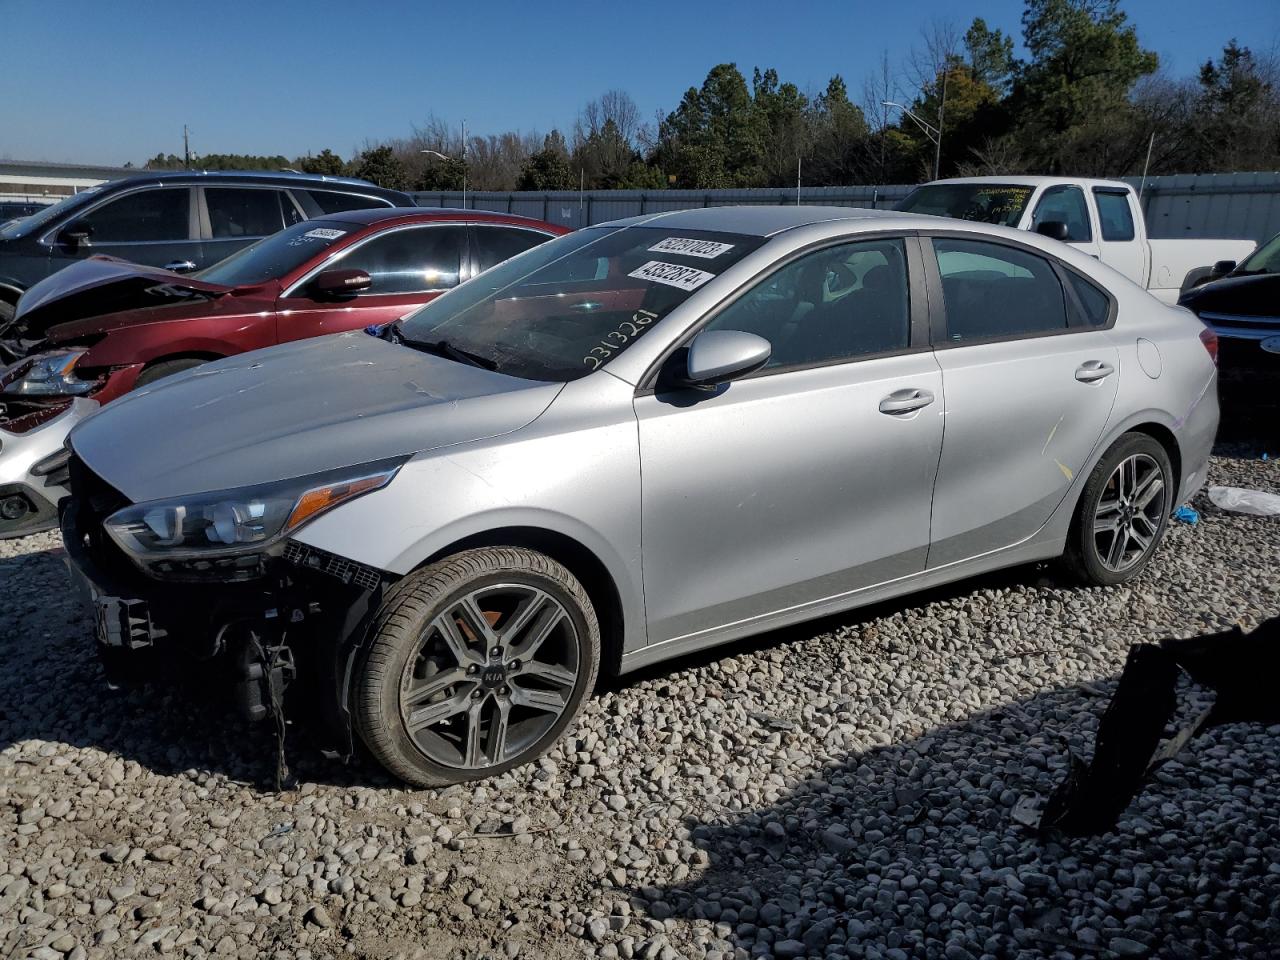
<point>994,292</point>
<point>155,214</point>
<point>243,211</point>
<point>1095,303</point>
<point>1114,215</point>
<point>495,244</point>
<point>835,304</point>
<point>331,202</point>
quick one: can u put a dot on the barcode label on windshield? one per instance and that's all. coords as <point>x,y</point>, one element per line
<point>706,249</point>
<point>325,233</point>
<point>672,274</point>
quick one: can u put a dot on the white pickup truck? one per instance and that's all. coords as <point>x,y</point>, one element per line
<point>1101,217</point>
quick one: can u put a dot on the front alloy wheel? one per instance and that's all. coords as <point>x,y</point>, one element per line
<point>478,663</point>
<point>1123,512</point>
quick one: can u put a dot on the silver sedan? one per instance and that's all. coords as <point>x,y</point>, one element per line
<point>633,442</point>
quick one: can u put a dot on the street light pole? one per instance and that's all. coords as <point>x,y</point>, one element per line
<point>942,105</point>
<point>464,163</point>
<point>933,133</point>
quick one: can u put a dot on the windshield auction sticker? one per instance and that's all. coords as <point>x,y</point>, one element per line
<point>672,274</point>
<point>706,249</point>
<point>324,233</point>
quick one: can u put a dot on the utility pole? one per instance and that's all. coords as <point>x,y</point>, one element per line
<point>186,147</point>
<point>464,163</point>
<point>942,106</point>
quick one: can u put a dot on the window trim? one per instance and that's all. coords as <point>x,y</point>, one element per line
<point>1129,204</point>
<point>1063,188</point>
<point>334,255</point>
<point>49,237</point>
<point>1075,316</point>
<point>917,307</point>
<point>382,202</point>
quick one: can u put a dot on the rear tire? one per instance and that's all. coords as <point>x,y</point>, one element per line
<point>1123,512</point>
<point>166,368</point>
<point>477,664</point>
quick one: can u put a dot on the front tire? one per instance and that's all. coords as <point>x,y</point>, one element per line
<point>166,368</point>
<point>1123,512</point>
<point>477,664</point>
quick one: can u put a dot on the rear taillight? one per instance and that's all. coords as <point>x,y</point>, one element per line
<point>1210,341</point>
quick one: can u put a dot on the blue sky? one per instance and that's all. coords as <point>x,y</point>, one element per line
<point>102,82</point>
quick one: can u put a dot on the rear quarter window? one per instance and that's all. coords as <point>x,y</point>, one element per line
<point>1095,304</point>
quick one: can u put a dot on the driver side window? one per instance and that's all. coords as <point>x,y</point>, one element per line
<point>836,304</point>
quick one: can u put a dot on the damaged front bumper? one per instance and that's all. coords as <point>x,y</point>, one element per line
<point>33,477</point>
<point>303,619</point>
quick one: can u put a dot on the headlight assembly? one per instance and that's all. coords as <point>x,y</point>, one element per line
<point>47,375</point>
<point>236,522</point>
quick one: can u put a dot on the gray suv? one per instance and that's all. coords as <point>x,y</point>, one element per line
<point>180,220</point>
<point>629,443</point>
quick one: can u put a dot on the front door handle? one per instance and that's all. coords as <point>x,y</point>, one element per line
<point>1093,370</point>
<point>180,266</point>
<point>905,401</point>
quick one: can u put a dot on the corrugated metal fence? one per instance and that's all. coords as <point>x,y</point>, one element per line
<point>1240,205</point>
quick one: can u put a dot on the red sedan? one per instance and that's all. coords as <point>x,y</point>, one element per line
<point>104,326</point>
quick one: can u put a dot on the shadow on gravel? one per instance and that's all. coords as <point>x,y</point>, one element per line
<point>912,850</point>
<point>52,691</point>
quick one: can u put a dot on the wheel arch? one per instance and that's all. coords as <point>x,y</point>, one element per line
<point>578,559</point>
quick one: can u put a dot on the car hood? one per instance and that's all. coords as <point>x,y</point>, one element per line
<point>298,409</point>
<point>102,285</point>
<point>1249,296</point>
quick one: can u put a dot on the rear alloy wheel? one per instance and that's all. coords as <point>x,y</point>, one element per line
<point>1123,512</point>
<point>478,663</point>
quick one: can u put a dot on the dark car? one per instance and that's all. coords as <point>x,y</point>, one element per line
<point>104,326</point>
<point>17,209</point>
<point>181,220</point>
<point>1243,306</point>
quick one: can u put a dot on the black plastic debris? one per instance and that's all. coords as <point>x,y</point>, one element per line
<point>1243,670</point>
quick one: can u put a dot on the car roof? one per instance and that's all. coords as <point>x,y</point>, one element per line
<point>371,216</point>
<point>1019,181</point>
<point>290,178</point>
<point>760,221</point>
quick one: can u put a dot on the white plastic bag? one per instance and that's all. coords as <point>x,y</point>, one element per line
<point>1246,501</point>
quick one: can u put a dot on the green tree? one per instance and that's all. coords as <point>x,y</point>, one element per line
<point>712,139</point>
<point>839,136</point>
<point>548,169</point>
<point>782,121</point>
<point>1237,114</point>
<point>989,55</point>
<point>1085,60</point>
<point>381,166</point>
<point>326,163</point>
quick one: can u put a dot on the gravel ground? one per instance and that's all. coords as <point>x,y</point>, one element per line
<point>839,789</point>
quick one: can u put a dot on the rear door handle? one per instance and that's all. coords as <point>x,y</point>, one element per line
<point>905,401</point>
<point>1093,370</point>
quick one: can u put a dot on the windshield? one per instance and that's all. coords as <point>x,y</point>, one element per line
<point>998,203</point>
<point>1266,259</point>
<point>20,228</point>
<point>276,255</point>
<point>566,308</point>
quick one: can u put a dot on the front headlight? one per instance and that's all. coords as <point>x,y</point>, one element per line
<point>47,375</point>
<point>238,522</point>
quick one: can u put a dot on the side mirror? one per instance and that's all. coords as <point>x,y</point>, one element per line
<point>341,283</point>
<point>718,356</point>
<point>1222,268</point>
<point>75,234</point>
<point>1054,229</point>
